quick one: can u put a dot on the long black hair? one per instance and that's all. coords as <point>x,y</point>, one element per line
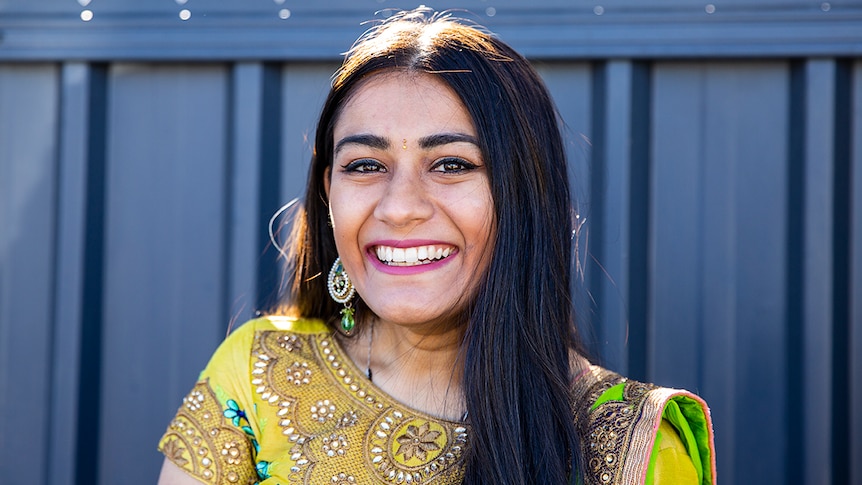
<point>520,330</point>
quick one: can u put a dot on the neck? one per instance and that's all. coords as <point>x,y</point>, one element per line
<point>420,367</point>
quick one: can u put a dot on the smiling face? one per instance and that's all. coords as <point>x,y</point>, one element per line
<point>410,198</point>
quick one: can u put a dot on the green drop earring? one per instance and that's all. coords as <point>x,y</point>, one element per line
<point>341,290</point>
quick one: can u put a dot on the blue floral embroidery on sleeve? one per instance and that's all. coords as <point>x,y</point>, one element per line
<point>262,470</point>
<point>234,413</point>
<point>239,419</point>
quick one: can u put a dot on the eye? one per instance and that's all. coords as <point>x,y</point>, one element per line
<point>364,165</point>
<point>452,165</point>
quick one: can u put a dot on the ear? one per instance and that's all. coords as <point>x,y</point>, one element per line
<point>326,181</point>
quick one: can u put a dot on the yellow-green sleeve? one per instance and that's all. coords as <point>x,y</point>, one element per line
<point>214,435</point>
<point>670,463</point>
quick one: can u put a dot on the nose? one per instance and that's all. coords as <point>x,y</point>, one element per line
<point>405,200</point>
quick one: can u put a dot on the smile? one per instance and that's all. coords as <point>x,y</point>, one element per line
<point>415,256</point>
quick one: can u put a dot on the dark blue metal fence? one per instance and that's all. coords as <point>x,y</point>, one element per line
<point>716,153</point>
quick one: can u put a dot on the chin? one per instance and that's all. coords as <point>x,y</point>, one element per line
<point>413,316</point>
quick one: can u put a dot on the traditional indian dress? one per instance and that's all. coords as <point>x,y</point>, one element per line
<point>281,402</point>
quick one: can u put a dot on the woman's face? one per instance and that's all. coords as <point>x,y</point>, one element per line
<point>409,198</point>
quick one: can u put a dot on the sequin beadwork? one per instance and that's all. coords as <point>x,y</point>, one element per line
<point>319,419</point>
<point>281,403</point>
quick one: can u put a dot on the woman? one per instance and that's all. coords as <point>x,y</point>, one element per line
<point>441,347</point>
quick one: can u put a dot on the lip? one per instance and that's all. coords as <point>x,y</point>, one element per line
<point>407,243</point>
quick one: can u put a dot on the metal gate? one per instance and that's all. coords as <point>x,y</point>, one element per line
<point>716,154</point>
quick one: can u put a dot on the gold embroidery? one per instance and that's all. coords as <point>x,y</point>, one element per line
<point>278,382</point>
<point>175,452</point>
<point>354,385</point>
<point>343,479</point>
<point>606,431</point>
<point>417,442</point>
<point>231,453</point>
<point>320,421</point>
<point>335,445</point>
<point>198,437</point>
<point>289,342</point>
<point>404,448</point>
<point>323,410</point>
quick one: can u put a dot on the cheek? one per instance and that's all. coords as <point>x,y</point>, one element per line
<point>487,227</point>
<point>482,214</point>
<point>475,216</point>
<point>347,211</point>
<point>338,200</point>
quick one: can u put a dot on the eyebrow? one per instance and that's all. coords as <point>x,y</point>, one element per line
<point>368,140</point>
<point>430,141</point>
<point>439,139</point>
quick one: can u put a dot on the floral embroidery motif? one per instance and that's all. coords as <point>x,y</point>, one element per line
<point>234,413</point>
<point>322,411</point>
<point>299,374</point>
<point>409,449</point>
<point>262,468</point>
<point>417,442</point>
<point>175,452</point>
<point>231,453</point>
<point>194,400</point>
<point>335,445</point>
<point>201,440</point>
<point>238,416</point>
<point>347,420</point>
<point>289,342</point>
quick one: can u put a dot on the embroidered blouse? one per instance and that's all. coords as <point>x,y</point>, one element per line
<point>280,402</point>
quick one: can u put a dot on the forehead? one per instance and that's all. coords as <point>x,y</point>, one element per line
<point>404,102</point>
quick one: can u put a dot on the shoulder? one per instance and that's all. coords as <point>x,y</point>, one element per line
<point>232,358</point>
<point>306,326</point>
<point>618,421</point>
<point>248,389</point>
<point>244,336</point>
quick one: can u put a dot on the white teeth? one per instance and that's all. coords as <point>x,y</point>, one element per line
<point>412,256</point>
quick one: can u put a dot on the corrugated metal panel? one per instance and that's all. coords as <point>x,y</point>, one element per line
<point>721,196</point>
<point>818,224</point>
<point>719,262</point>
<point>28,190</point>
<point>854,289</point>
<point>165,236</point>
<point>70,269</point>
